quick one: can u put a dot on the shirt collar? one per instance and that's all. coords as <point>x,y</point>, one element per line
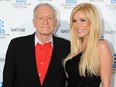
<point>38,41</point>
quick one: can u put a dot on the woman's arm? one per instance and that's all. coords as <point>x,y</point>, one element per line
<point>106,61</point>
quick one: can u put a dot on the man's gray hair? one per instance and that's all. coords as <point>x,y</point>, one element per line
<point>45,4</point>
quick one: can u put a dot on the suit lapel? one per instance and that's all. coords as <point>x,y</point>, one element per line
<point>53,60</point>
<point>31,55</point>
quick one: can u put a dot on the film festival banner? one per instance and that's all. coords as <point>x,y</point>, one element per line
<point>16,20</point>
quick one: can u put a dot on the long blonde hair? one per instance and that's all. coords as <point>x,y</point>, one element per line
<point>89,62</point>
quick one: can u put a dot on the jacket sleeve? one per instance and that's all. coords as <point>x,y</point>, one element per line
<point>9,67</point>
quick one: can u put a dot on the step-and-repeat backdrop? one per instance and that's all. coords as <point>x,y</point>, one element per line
<point>16,20</point>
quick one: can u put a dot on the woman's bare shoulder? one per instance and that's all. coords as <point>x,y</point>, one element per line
<point>103,44</point>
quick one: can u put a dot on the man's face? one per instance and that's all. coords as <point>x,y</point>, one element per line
<point>44,20</point>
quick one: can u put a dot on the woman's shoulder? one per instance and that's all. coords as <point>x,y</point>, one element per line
<point>103,45</point>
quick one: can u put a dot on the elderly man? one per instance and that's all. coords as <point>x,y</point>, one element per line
<point>36,60</point>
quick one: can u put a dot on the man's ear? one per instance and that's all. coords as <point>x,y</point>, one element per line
<point>33,21</point>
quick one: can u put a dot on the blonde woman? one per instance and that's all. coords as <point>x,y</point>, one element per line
<point>90,60</point>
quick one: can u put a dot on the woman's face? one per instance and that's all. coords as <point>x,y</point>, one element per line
<point>81,24</point>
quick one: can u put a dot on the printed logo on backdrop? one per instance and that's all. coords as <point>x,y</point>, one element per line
<point>17,29</point>
<point>2,59</point>
<point>20,4</point>
<point>110,32</point>
<point>3,33</point>
<point>0,84</point>
<point>114,64</point>
<point>20,0</point>
<point>64,30</point>
<point>4,0</point>
<point>96,0</point>
<point>113,1</point>
<point>44,0</point>
<point>111,5</point>
<point>69,4</point>
<point>71,1</point>
<point>2,30</point>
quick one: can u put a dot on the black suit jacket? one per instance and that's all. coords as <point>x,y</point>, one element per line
<point>20,65</point>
